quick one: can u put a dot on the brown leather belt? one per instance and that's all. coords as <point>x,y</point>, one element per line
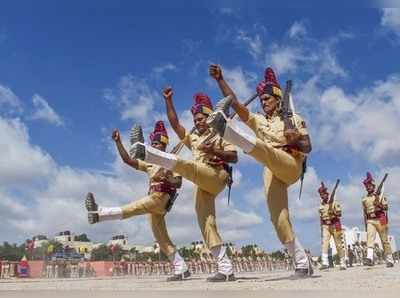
<point>375,215</point>
<point>163,188</point>
<point>331,222</point>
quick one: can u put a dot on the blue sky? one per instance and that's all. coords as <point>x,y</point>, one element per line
<point>71,72</point>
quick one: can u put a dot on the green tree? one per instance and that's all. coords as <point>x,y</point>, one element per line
<point>101,253</point>
<point>12,252</point>
<point>278,255</point>
<point>248,250</point>
<point>82,237</point>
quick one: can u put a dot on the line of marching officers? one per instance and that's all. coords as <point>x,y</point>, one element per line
<point>375,207</point>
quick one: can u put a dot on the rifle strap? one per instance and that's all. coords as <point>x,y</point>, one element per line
<point>304,169</point>
<point>229,193</point>
<point>229,169</point>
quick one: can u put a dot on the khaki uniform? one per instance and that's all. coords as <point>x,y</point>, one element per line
<point>154,204</point>
<point>281,168</point>
<point>210,178</point>
<point>331,226</point>
<point>376,221</point>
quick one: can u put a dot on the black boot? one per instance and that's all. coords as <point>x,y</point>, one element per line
<point>324,267</point>
<point>368,262</point>
<point>179,277</point>
<point>219,277</point>
<point>91,207</point>
<point>389,264</point>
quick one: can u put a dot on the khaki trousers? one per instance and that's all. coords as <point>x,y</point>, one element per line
<point>327,232</point>
<point>154,205</point>
<point>209,183</point>
<point>374,226</point>
<point>281,170</point>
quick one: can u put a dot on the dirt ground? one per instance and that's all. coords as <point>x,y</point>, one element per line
<point>354,282</point>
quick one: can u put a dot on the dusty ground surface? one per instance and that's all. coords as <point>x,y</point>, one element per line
<point>354,282</point>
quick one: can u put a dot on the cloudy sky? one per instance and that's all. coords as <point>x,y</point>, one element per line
<point>69,74</point>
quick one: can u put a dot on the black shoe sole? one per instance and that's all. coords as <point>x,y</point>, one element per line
<point>136,135</point>
<point>226,279</point>
<point>223,105</point>
<point>179,277</point>
<point>217,122</point>
<point>91,206</point>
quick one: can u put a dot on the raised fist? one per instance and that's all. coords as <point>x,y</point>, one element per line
<point>215,71</point>
<point>167,93</point>
<point>116,136</point>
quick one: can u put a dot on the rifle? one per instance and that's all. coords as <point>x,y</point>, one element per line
<point>332,198</point>
<point>378,192</point>
<point>287,109</point>
<point>287,112</point>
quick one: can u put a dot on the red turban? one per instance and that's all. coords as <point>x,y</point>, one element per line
<point>269,85</point>
<point>160,133</point>
<point>368,180</point>
<point>322,189</point>
<point>202,104</point>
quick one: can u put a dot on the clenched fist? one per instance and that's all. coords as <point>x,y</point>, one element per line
<point>215,71</point>
<point>116,136</point>
<point>167,93</point>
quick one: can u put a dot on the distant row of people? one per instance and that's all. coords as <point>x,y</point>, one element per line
<point>8,269</point>
<point>203,266</point>
<point>66,269</point>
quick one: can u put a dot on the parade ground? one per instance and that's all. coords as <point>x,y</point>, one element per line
<point>354,282</point>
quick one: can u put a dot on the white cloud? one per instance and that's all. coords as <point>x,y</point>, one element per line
<point>254,43</point>
<point>43,111</point>
<point>308,56</point>
<point>134,98</point>
<point>364,123</point>
<point>159,71</point>
<point>297,51</point>
<point>286,59</point>
<point>241,81</point>
<point>9,99</point>
<point>164,67</point>
<point>21,162</point>
<point>391,19</point>
<point>297,30</point>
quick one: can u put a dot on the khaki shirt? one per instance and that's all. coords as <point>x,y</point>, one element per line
<point>369,206</point>
<point>271,130</point>
<point>327,214</point>
<point>194,140</point>
<point>155,170</point>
